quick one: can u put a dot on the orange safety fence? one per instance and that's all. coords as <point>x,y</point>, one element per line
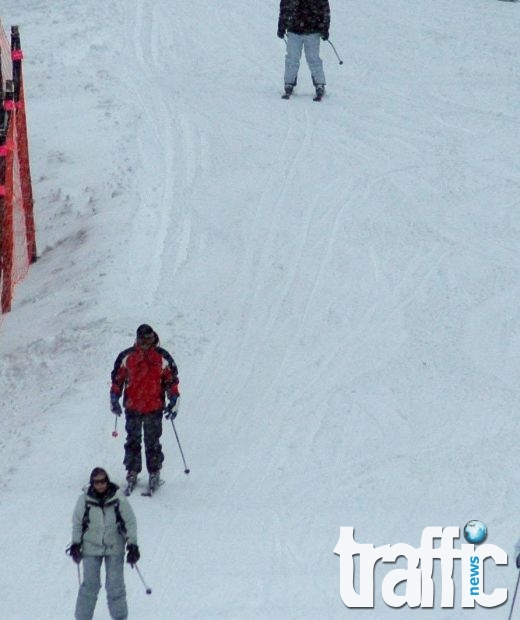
<point>17,232</point>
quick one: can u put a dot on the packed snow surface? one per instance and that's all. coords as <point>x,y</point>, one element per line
<point>338,283</point>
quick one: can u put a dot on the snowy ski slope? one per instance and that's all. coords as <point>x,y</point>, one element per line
<point>338,283</point>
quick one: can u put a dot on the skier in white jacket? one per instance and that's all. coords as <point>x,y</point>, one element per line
<point>103,522</point>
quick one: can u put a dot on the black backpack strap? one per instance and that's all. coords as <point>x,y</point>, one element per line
<point>85,521</point>
<point>119,519</point>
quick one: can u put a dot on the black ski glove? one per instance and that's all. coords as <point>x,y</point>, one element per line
<point>115,407</point>
<point>75,552</point>
<point>172,408</point>
<point>325,35</point>
<point>518,561</point>
<point>133,555</point>
<point>281,29</point>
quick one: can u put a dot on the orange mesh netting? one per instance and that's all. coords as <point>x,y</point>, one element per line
<point>17,238</point>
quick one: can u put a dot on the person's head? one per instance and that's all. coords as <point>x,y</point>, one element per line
<point>145,337</point>
<point>99,480</point>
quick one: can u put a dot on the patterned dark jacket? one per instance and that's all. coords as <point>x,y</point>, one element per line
<point>304,16</point>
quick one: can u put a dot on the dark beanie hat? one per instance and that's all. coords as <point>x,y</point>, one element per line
<point>145,331</point>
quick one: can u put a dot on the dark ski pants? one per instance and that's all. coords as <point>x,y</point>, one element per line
<point>149,425</point>
<point>114,585</point>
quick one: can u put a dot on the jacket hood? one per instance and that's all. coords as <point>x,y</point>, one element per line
<point>155,340</point>
<point>91,492</point>
<point>145,331</point>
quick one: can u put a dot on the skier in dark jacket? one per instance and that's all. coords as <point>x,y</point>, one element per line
<point>102,524</point>
<point>304,21</point>
<point>144,373</point>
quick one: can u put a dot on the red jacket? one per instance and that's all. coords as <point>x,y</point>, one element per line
<point>144,377</point>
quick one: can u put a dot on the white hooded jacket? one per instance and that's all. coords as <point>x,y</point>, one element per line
<point>103,525</point>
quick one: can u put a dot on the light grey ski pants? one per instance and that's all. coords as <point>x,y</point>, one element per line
<point>311,44</point>
<point>114,585</point>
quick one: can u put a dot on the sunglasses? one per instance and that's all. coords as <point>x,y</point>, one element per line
<point>100,481</point>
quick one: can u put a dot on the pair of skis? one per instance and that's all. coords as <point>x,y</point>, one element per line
<point>152,488</point>
<point>315,98</point>
<point>155,484</point>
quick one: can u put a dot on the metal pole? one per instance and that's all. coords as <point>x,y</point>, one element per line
<point>186,470</point>
<point>337,55</point>
<point>114,432</point>
<point>514,597</point>
<point>148,590</point>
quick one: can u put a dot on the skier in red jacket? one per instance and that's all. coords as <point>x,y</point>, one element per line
<point>145,374</point>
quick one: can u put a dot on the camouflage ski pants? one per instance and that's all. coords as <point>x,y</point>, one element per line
<point>149,425</point>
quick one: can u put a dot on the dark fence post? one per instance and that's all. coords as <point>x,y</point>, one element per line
<point>23,144</point>
<point>6,221</point>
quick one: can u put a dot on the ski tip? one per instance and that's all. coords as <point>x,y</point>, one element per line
<point>152,490</point>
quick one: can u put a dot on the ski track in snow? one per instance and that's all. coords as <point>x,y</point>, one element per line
<point>338,283</point>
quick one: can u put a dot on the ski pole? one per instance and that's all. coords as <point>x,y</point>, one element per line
<point>67,551</point>
<point>514,596</point>
<point>186,470</point>
<point>148,590</point>
<point>337,55</point>
<point>114,432</point>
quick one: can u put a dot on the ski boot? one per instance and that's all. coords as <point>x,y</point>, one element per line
<point>288,91</point>
<point>154,481</point>
<point>131,481</point>
<point>320,91</point>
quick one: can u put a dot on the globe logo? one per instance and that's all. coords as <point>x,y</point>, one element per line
<point>475,532</point>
